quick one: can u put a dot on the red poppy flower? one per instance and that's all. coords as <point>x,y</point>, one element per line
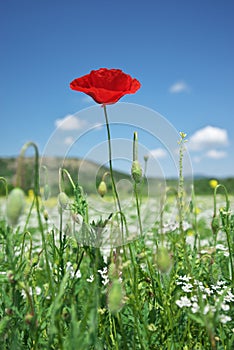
<point>106,86</point>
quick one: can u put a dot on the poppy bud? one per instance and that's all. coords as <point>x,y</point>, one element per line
<point>29,318</point>
<point>115,296</point>
<point>46,215</point>
<point>11,277</point>
<point>146,157</point>
<point>163,259</point>
<point>63,200</point>
<point>102,189</point>
<point>46,192</point>
<point>112,271</point>
<point>15,205</point>
<point>136,171</point>
<point>215,225</point>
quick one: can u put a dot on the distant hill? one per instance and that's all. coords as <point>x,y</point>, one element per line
<point>88,174</point>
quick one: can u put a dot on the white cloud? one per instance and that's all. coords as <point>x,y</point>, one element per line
<point>213,153</point>
<point>69,140</point>
<point>208,137</point>
<point>158,153</point>
<point>70,122</point>
<point>179,86</point>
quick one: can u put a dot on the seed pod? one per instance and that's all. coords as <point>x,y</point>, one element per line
<point>15,205</point>
<point>63,200</point>
<point>102,189</point>
<point>136,171</point>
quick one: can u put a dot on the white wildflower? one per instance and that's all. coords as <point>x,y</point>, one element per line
<point>104,275</point>
<point>194,298</point>
<point>90,279</point>
<point>187,288</point>
<point>203,251</point>
<point>225,318</point>
<point>220,283</point>
<point>78,274</point>
<point>225,307</point>
<point>208,291</point>
<point>226,254</point>
<point>216,288</point>
<point>206,309</point>
<point>38,290</point>
<point>184,278</point>
<point>229,297</point>
<point>195,307</point>
<point>184,302</point>
<point>221,247</point>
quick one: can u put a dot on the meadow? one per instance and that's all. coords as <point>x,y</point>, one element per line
<point>150,268</point>
<point>71,278</point>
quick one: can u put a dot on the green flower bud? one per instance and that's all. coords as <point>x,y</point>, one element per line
<point>29,318</point>
<point>215,224</point>
<point>102,189</point>
<point>15,205</point>
<point>136,171</point>
<point>115,297</point>
<point>163,259</point>
<point>46,192</point>
<point>112,271</point>
<point>45,214</point>
<point>63,200</point>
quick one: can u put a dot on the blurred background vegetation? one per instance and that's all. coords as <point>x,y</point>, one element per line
<point>89,175</point>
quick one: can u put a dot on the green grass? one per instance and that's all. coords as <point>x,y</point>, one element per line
<point>128,297</point>
<point>169,286</point>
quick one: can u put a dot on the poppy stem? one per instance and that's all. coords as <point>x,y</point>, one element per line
<point>110,165</point>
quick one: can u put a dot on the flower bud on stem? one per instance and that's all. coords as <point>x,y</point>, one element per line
<point>102,188</point>
<point>136,167</point>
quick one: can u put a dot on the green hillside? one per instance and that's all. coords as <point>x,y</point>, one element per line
<point>89,175</point>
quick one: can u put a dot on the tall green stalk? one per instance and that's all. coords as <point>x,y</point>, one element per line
<point>114,189</point>
<point>110,160</point>
<point>36,196</point>
<point>225,216</point>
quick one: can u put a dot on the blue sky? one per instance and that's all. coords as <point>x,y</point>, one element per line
<point>182,52</point>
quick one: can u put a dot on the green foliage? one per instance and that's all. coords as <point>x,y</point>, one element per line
<point>172,288</point>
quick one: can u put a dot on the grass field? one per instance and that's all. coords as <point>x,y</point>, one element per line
<point>110,272</point>
<point>170,288</point>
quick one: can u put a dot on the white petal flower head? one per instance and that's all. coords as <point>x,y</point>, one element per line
<point>225,307</point>
<point>187,287</point>
<point>184,302</point>
<point>195,307</point>
<point>225,318</point>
